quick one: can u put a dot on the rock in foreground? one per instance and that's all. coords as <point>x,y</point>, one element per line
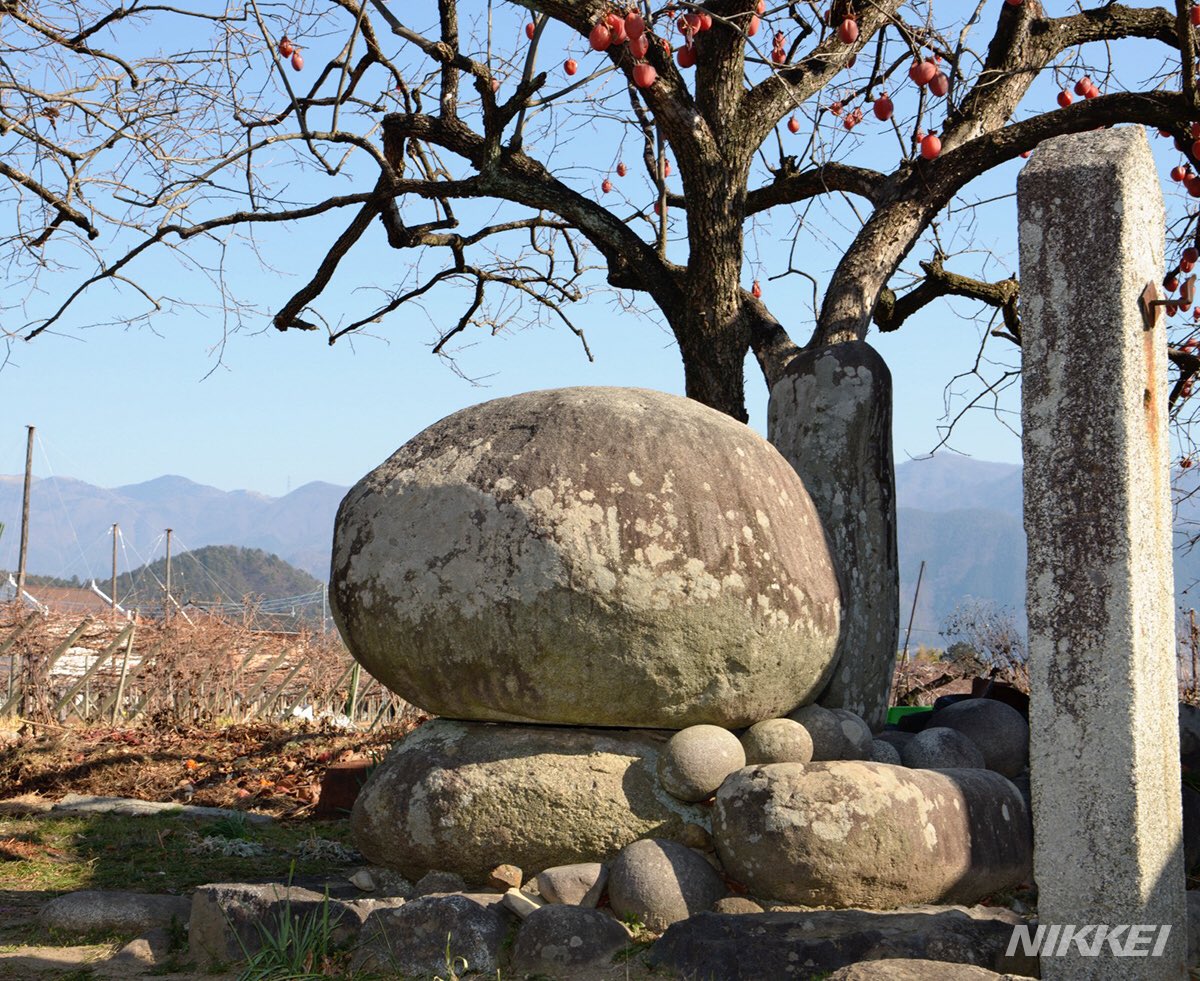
<point>752,946</point>
<point>868,834</point>
<point>658,883</point>
<point>460,796</point>
<point>588,556</point>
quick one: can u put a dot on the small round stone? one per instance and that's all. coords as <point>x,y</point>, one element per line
<point>661,882</point>
<point>857,734</point>
<point>824,727</point>
<point>696,761</point>
<point>939,748</point>
<point>884,752</point>
<point>777,741</point>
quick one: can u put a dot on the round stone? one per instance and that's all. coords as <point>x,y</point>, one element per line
<point>937,748</point>
<point>777,741</point>
<point>999,730</point>
<point>561,941</point>
<point>457,795</point>
<point>852,833</point>
<point>658,883</point>
<point>588,556</point>
<point>697,760</point>
<point>825,728</point>
<point>884,752</point>
<point>857,734</point>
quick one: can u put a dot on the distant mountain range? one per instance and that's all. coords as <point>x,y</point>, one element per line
<point>71,521</point>
<point>961,516</point>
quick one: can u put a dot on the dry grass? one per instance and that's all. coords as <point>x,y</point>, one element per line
<point>195,671</point>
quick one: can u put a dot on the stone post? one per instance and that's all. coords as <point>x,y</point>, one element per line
<point>830,415</point>
<point>1104,749</point>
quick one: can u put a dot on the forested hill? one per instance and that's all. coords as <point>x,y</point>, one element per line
<point>215,574</point>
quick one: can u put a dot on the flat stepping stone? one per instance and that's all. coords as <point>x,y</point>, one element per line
<point>745,946</point>
<point>110,911</point>
<point>129,807</point>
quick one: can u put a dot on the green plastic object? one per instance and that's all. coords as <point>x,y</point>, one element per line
<point>897,712</point>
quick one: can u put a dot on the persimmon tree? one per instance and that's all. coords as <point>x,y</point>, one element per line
<point>530,153</point>
<point>132,126</point>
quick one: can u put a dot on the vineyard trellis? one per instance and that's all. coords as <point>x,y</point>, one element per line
<point>63,669</point>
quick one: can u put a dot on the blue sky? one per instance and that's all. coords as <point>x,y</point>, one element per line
<point>120,406</point>
<point>273,411</point>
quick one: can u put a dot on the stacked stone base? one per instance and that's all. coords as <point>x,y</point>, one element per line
<point>464,796</point>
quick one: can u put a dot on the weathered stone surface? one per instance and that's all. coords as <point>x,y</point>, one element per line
<point>504,877</point>
<point>521,903</point>
<point>696,760</point>
<point>937,748</point>
<point>831,417</point>
<point>917,969</point>
<point>825,730</point>
<point>853,833</point>
<point>411,939</point>
<point>228,920</point>
<point>365,907</point>
<point>998,730</point>
<point>581,884</point>
<point>804,945</point>
<point>1104,754</point>
<point>660,882</point>
<point>883,751</point>
<point>104,911</point>
<point>777,741</point>
<point>459,794</point>
<point>383,882</point>
<point>560,941</point>
<point>563,557</point>
<point>857,735</point>
<point>362,879</point>
<point>694,836</point>
<point>736,904</point>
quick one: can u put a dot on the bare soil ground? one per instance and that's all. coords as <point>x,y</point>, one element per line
<point>265,767</point>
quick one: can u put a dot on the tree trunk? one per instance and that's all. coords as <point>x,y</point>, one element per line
<point>866,268</point>
<point>714,366</point>
<point>711,325</point>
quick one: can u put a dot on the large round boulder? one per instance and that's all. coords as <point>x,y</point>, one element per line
<point>999,730</point>
<point>588,556</point>
<point>462,796</point>
<point>853,833</point>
